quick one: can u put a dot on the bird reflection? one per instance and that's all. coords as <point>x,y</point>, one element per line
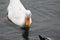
<point>25,34</point>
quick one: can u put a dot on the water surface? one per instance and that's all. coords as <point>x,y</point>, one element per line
<point>45,16</point>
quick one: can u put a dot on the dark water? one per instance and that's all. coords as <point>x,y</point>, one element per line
<point>45,16</point>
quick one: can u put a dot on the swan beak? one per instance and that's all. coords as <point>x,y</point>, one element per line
<point>27,22</point>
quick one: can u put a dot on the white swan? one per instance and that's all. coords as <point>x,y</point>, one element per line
<point>18,14</point>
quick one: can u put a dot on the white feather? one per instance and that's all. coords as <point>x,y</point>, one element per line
<point>17,12</point>
<point>49,38</point>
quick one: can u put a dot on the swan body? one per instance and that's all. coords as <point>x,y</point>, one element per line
<point>17,13</point>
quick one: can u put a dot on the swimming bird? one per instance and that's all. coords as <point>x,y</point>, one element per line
<point>18,14</point>
<point>44,38</point>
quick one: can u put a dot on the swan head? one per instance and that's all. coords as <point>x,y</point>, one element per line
<point>28,18</point>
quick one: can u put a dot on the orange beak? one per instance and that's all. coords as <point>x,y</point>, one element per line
<point>27,22</point>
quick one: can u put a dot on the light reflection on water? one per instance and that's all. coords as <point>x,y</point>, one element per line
<point>25,33</point>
